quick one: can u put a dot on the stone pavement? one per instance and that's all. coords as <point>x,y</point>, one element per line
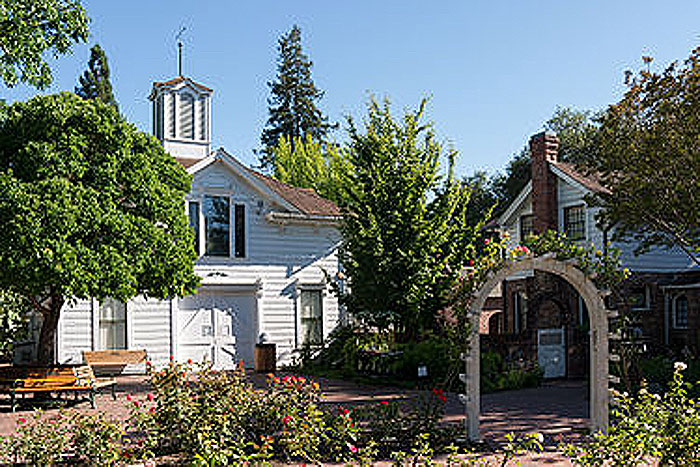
<point>558,410</point>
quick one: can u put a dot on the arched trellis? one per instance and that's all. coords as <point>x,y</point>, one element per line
<point>599,350</point>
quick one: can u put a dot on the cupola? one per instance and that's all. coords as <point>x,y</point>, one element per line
<point>182,117</point>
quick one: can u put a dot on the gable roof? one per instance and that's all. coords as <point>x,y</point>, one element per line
<point>589,181</point>
<point>179,81</point>
<point>303,201</point>
<point>567,172</point>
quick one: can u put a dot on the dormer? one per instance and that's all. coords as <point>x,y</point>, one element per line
<point>182,117</point>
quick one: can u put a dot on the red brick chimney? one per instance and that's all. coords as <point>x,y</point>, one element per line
<point>544,148</point>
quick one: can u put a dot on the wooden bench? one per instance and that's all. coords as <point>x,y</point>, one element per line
<point>113,362</point>
<point>21,380</point>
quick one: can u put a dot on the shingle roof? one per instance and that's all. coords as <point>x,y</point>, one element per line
<point>305,199</point>
<point>590,181</point>
<point>180,79</point>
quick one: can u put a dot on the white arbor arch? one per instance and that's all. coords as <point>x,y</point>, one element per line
<point>599,349</point>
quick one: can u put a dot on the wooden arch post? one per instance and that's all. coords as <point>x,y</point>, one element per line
<point>599,350</point>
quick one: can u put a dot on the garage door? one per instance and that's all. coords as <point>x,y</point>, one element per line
<point>217,328</point>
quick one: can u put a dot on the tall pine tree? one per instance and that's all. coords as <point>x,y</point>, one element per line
<point>292,104</point>
<point>95,84</point>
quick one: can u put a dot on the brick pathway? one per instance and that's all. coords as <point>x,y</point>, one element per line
<point>557,409</point>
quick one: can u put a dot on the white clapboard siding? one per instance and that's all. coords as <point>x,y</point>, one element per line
<point>75,331</point>
<point>148,328</point>
<point>282,259</point>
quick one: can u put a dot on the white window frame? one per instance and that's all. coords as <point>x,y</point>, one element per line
<point>313,287</point>
<point>562,218</point>
<point>97,317</point>
<point>202,239</point>
<point>674,311</point>
<point>520,224</point>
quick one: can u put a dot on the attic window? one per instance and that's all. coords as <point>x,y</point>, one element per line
<point>575,222</point>
<point>526,226</point>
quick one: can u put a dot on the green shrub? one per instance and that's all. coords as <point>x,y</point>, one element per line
<point>647,426</point>
<point>73,438</point>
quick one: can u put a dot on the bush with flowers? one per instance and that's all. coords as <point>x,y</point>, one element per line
<point>647,428</point>
<point>65,437</point>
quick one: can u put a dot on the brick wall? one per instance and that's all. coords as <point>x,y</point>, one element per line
<point>544,148</point>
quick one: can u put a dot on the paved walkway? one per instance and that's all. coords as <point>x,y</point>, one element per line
<point>558,410</point>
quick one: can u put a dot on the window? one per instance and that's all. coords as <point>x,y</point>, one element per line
<point>113,324</point>
<point>194,223</point>
<point>575,222</point>
<point>519,312</point>
<point>311,317</point>
<point>217,225</point>
<point>638,298</point>
<point>187,116</point>
<point>239,224</point>
<point>680,312</point>
<point>526,226</point>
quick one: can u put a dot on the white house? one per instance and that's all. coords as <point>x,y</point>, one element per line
<point>267,256</point>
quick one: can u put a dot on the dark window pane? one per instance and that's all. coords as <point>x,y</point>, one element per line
<point>239,219</point>
<point>217,225</point>
<point>575,222</point>
<point>681,313</point>
<point>526,228</point>
<point>194,223</point>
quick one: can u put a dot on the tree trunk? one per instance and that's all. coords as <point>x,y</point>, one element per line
<point>47,338</point>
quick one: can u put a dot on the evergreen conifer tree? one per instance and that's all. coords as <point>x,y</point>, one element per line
<point>95,84</point>
<point>292,104</point>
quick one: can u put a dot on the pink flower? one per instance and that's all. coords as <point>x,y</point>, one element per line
<point>150,397</point>
<point>471,262</point>
<point>353,449</point>
<point>286,419</point>
<point>487,241</point>
<point>21,421</point>
<point>384,403</point>
<point>128,397</point>
<point>152,410</point>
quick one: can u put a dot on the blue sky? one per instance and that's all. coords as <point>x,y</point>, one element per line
<point>495,70</point>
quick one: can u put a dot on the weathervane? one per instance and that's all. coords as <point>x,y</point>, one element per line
<point>178,37</point>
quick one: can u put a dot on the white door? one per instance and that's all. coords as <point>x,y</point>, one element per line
<point>217,328</point>
<point>551,352</point>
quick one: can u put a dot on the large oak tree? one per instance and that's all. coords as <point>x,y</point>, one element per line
<point>89,207</point>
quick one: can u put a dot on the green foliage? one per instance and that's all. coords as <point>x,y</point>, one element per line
<point>497,376</point>
<point>292,103</point>
<point>14,323</point>
<point>89,207</point>
<point>310,164</point>
<point>67,437</point>
<point>219,418</point>
<point>394,425</point>
<point>647,427</point>
<point>95,83</point>
<point>405,234</point>
<point>649,159</point>
<point>30,29</point>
